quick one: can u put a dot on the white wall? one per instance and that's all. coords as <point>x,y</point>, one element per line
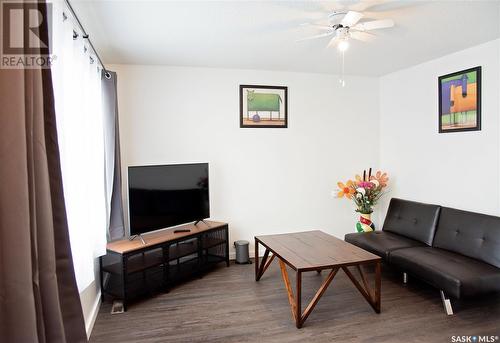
<point>279,180</point>
<point>262,181</point>
<point>453,169</point>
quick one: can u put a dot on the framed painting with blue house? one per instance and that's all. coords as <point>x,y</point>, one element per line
<point>263,106</point>
<point>460,101</point>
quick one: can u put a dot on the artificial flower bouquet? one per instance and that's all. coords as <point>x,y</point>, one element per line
<point>364,192</point>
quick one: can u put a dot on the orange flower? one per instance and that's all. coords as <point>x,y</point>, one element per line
<point>345,190</point>
<point>382,178</point>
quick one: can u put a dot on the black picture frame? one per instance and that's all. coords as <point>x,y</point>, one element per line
<point>477,127</point>
<point>282,124</point>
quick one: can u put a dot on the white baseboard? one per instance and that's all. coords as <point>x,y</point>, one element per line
<point>93,315</point>
<point>251,254</point>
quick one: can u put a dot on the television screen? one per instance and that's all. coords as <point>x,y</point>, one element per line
<point>167,195</point>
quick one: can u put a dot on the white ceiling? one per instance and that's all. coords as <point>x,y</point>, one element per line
<point>263,34</point>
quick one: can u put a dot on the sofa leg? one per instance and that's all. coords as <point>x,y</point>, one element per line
<point>446,304</point>
<point>405,278</point>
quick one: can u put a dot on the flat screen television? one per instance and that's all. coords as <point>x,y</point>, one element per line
<point>161,196</point>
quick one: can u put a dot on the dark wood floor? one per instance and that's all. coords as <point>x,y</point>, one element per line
<point>227,305</point>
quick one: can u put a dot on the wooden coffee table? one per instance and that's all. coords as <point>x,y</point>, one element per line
<point>316,251</point>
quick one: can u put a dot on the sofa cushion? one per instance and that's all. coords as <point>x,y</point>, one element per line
<point>456,274</point>
<point>471,234</point>
<point>379,242</point>
<point>412,219</point>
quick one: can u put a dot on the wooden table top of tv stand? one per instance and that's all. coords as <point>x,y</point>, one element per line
<point>124,246</point>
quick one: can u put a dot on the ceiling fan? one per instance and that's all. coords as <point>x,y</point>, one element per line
<point>345,25</point>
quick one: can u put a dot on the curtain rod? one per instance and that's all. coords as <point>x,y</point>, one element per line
<point>86,36</point>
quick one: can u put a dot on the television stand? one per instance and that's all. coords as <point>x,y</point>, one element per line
<point>138,236</point>
<point>198,221</point>
<point>130,270</point>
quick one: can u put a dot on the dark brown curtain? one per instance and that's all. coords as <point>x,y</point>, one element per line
<point>39,300</point>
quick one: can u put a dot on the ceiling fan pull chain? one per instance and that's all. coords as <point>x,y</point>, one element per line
<point>342,76</point>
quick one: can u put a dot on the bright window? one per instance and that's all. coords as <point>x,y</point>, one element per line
<point>77,90</point>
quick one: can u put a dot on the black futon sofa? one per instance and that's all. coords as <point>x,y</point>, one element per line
<point>457,252</point>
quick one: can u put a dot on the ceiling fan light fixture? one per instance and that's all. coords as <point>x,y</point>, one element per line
<point>343,45</point>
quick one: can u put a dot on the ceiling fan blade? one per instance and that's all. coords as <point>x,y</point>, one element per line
<point>351,18</point>
<point>319,26</point>
<point>362,36</point>
<point>336,16</point>
<point>333,42</point>
<point>316,36</point>
<point>374,25</point>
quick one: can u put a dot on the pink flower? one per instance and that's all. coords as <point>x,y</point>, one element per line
<point>366,184</point>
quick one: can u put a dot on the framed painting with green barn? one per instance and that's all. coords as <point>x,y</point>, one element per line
<point>263,106</point>
<point>460,101</point>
